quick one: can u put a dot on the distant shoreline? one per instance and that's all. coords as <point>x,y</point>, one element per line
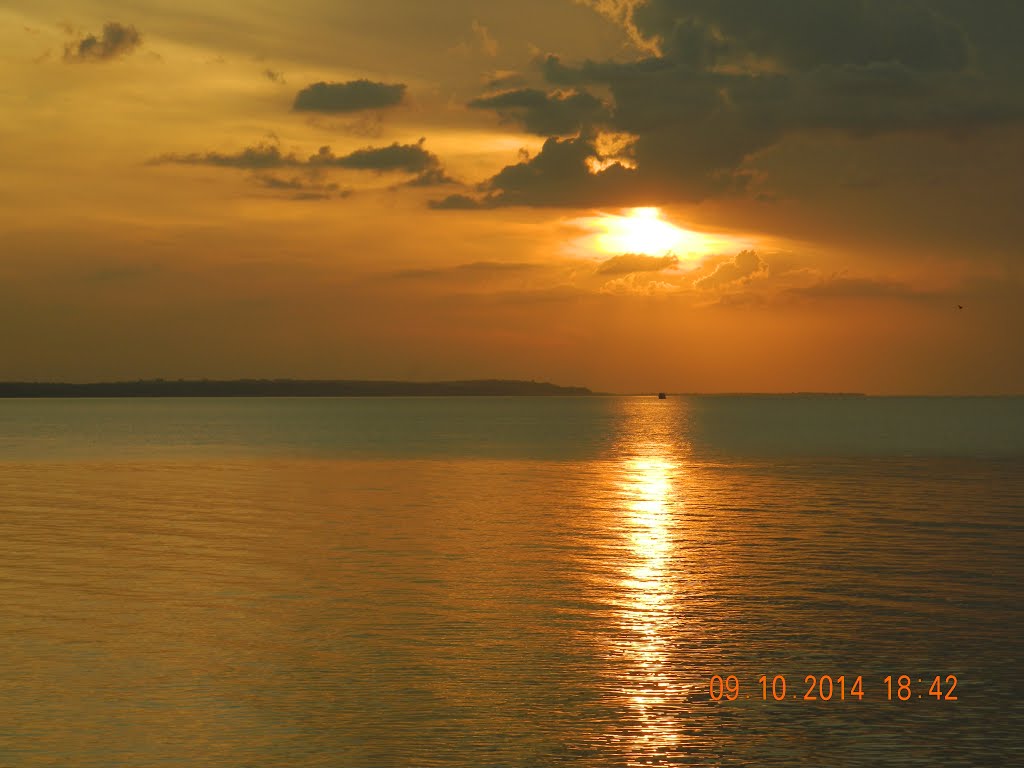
<point>153,388</point>
<point>774,394</point>
<point>285,388</point>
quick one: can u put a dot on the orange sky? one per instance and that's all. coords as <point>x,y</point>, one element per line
<point>451,190</point>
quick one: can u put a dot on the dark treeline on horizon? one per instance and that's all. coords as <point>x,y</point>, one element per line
<point>282,388</point>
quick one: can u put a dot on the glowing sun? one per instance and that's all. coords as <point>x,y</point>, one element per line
<point>643,231</point>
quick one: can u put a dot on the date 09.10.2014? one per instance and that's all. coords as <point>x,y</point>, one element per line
<point>841,688</point>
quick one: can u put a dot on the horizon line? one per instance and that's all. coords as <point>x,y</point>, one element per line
<point>546,386</point>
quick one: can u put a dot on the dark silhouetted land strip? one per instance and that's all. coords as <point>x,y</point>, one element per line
<point>283,388</point>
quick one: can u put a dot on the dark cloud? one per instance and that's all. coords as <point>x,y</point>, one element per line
<point>744,265</point>
<point>299,188</point>
<point>432,177</point>
<point>559,175</point>
<point>263,155</point>
<point>628,263</point>
<point>558,73</point>
<point>115,40</point>
<point>274,182</point>
<point>730,80</point>
<point>352,96</point>
<point>310,183</point>
<point>545,114</point>
<point>805,34</point>
<point>456,202</point>
<point>408,158</point>
<point>411,158</point>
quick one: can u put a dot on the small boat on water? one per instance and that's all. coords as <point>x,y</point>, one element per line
<point>662,395</point>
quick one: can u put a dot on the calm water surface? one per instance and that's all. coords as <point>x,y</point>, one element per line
<point>508,581</point>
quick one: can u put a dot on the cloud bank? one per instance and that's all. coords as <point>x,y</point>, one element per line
<point>724,82</point>
<point>544,114</point>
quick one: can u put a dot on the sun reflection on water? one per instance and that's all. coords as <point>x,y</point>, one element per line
<point>649,599</point>
<point>647,478</point>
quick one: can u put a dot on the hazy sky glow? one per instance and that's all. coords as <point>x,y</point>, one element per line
<point>630,195</point>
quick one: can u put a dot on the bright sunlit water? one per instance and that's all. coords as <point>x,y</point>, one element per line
<point>508,581</point>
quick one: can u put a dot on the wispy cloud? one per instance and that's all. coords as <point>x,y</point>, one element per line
<point>114,41</point>
<point>407,158</point>
<point>629,263</point>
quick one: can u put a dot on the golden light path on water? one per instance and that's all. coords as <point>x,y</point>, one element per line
<point>648,486</point>
<point>652,507</point>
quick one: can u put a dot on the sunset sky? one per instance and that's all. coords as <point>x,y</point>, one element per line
<point>682,195</point>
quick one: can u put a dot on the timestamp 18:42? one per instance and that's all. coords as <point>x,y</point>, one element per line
<point>842,688</point>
